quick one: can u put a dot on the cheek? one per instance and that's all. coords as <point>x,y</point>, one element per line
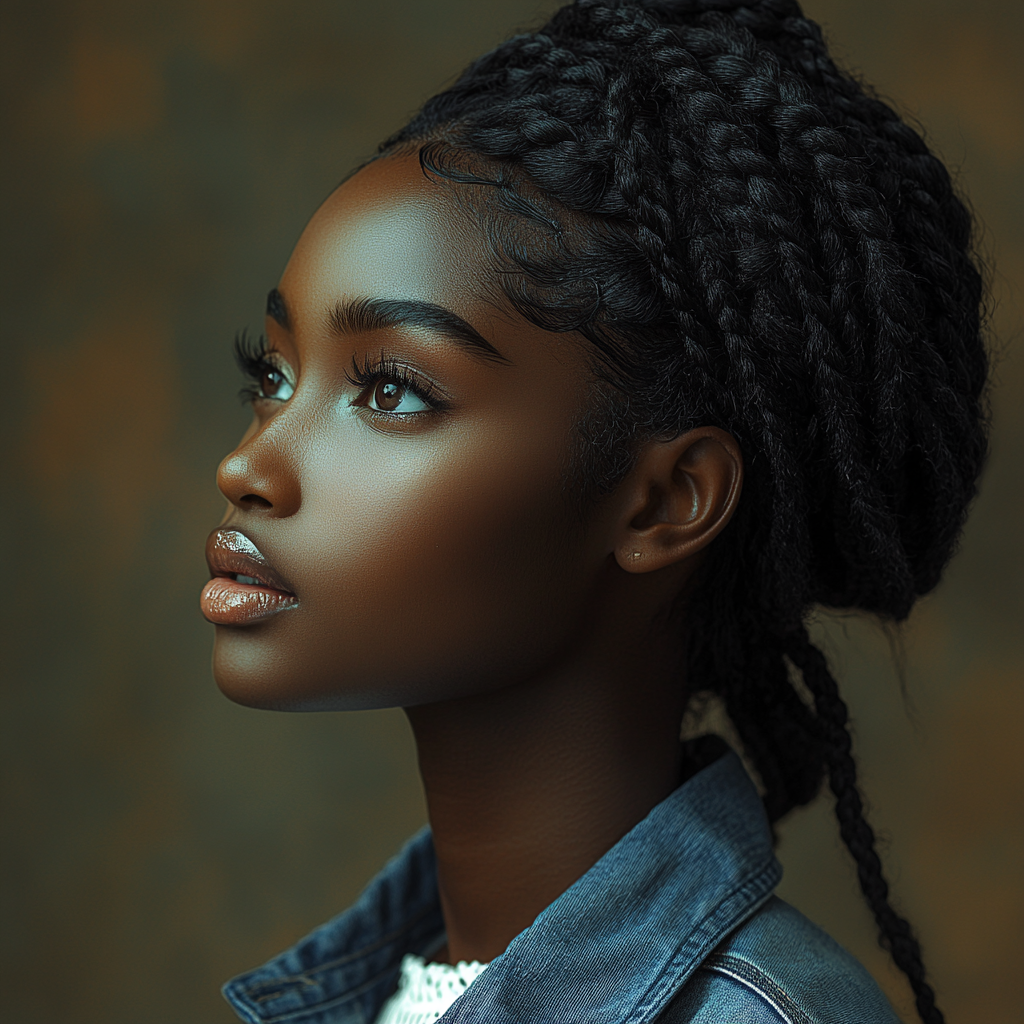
<point>437,565</point>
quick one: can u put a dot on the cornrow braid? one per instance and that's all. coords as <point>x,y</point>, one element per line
<point>750,239</point>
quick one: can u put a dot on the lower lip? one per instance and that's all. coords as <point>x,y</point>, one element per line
<point>227,602</point>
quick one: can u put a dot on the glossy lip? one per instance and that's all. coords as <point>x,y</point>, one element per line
<point>227,602</point>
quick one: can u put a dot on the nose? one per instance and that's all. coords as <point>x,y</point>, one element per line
<point>259,475</point>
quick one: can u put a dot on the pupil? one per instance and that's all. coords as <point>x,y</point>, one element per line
<point>271,383</point>
<point>389,395</point>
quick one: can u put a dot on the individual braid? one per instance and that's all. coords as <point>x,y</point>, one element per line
<point>856,832</point>
<point>753,240</point>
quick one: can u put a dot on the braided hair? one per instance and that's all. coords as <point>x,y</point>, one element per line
<point>750,239</point>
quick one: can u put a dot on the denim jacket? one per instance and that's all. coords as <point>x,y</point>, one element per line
<point>676,923</point>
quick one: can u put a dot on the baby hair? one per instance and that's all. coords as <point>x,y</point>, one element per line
<point>752,240</point>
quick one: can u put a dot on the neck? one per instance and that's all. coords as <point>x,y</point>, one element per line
<point>527,786</point>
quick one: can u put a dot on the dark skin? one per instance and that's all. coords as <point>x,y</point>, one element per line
<point>438,566</point>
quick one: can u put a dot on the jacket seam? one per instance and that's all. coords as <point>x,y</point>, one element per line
<point>345,997</point>
<point>706,934</point>
<point>304,977</point>
<point>757,981</point>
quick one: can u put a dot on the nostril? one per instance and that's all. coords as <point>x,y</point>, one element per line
<point>254,501</point>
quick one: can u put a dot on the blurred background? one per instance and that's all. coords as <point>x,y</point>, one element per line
<point>158,162</point>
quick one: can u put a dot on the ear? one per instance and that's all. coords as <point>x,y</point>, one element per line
<point>678,498</point>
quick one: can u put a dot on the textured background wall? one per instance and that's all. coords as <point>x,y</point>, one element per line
<point>158,161</point>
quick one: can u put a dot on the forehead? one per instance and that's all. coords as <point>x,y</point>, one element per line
<point>389,231</point>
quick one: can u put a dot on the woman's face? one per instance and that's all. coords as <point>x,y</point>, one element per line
<point>403,478</point>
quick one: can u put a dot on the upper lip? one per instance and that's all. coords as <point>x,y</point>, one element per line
<point>231,553</point>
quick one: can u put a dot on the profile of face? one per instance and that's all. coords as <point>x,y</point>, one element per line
<point>399,529</point>
<point>401,486</point>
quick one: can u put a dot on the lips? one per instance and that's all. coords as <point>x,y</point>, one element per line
<point>245,587</point>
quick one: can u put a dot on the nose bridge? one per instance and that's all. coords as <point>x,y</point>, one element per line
<point>263,471</point>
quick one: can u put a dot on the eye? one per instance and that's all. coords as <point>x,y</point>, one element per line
<point>394,391</point>
<point>269,376</point>
<point>274,384</point>
<point>390,395</point>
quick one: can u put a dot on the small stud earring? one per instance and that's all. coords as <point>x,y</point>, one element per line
<point>636,554</point>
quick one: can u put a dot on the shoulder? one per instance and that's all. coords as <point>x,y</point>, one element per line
<point>780,968</point>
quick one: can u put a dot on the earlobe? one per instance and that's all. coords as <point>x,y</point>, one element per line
<point>678,498</point>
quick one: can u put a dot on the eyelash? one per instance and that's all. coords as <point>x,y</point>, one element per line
<point>253,359</point>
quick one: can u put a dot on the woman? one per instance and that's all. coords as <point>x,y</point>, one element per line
<point>646,337</point>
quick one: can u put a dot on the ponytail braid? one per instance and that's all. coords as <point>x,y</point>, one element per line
<point>853,827</point>
<point>750,239</point>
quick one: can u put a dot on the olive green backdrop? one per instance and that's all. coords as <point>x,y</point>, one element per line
<point>158,162</point>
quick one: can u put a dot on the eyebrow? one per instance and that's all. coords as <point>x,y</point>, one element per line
<point>366,314</point>
<point>276,308</point>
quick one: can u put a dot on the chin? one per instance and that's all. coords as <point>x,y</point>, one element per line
<point>249,670</point>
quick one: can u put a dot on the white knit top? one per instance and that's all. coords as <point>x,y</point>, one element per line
<point>425,990</point>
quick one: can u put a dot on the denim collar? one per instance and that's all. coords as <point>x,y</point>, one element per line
<point>614,948</point>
